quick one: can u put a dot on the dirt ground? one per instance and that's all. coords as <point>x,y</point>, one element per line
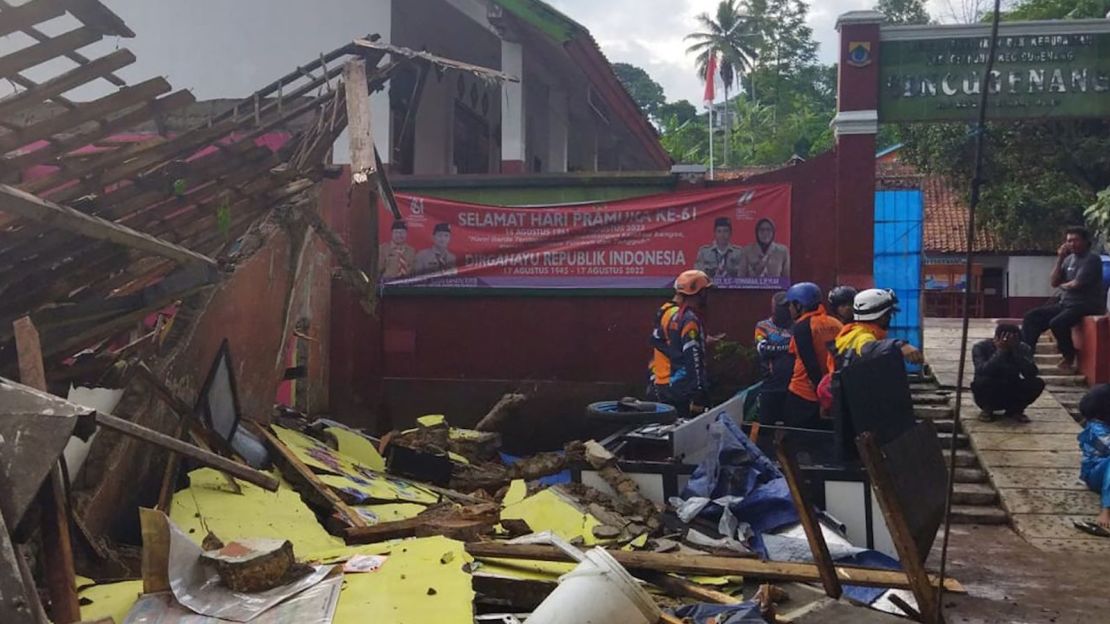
<point>1009,580</point>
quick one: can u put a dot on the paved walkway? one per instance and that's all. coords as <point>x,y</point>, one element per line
<point>1035,467</point>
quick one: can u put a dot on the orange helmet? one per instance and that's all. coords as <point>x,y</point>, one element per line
<point>692,282</point>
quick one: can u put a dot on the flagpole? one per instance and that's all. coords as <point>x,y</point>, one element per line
<point>710,140</point>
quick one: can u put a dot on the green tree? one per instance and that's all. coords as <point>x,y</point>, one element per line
<point>729,37</point>
<point>1039,174</point>
<point>647,93</point>
<point>681,110</point>
<point>904,11</point>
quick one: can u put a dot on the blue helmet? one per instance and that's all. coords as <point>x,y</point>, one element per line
<point>805,294</point>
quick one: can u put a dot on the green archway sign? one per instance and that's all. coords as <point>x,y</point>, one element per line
<point>1057,68</point>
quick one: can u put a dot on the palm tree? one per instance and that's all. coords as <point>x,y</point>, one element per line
<point>729,36</point>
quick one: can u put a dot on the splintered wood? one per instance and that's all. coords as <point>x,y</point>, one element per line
<point>606,465</point>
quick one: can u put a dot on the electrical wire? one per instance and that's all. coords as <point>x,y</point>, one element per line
<point>976,184</point>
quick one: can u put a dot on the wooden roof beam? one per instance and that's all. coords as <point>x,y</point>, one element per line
<point>104,128</point>
<point>93,13</point>
<point>64,82</point>
<point>124,98</point>
<point>33,55</point>
<point>15,19</point>
<point>15,201</point>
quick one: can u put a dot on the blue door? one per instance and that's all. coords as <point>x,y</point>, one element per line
<point>898,244</point>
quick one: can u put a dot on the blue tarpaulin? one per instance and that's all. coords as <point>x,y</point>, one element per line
<point>739,469</point>
<point>743,613</point>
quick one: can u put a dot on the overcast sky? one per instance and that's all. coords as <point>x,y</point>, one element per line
<point>228,48</point>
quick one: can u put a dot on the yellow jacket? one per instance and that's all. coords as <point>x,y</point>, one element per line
<point>853,337</point>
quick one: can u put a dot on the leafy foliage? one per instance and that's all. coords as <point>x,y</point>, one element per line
<point>647,93</point>
<point>904,11</point>
<point>1039,175</point>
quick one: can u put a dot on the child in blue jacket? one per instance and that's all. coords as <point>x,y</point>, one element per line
<point>1094,442</point>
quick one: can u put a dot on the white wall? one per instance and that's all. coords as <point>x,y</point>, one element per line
<point>1028,276</point>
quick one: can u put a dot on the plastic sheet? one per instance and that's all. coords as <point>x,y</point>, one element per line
<point>743,613</point>
<point>315,605</point>
<point>198,587</point>
<point>759,493</point>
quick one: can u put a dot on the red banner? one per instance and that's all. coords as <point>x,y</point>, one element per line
<point>740,235</point>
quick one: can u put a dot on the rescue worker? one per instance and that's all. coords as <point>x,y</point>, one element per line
<point>841,299</point>
<point>678,366</point>
<point>814,332</point>
<point>772,342</point>
<point>873,310</point>
<point>397,258</point>
<point>1094,443</point>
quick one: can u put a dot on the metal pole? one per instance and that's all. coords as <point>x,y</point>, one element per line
<point>976,183</point>
<point>711,139</point>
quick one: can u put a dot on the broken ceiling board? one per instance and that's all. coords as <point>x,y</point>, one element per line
<point>1021,442</point>
<point>388,512</point>
<point>550,510</point>
<point>112,600</point>
<point>358,447</point>
<point>378,487</point>
<point>208,504</point>
<point>34,430</point>
<point>1032,501</point>
<point>424,580</point>
<point>1039,478</point>
<point>524,569</point>
<point>517,492</point>
<point>345,474</point>
<point>993,460</point>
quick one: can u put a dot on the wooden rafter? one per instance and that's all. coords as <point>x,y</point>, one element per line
<point>30,56</point>
<point>125,97</point>
<point>31,207</point>
<point>64,82</point>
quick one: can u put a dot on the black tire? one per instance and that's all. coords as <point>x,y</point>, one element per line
<point>610,412</point>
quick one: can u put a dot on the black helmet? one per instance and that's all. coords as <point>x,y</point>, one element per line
<point>841,295</point>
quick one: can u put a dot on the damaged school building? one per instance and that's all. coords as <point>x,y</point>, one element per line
<point>241,382</point>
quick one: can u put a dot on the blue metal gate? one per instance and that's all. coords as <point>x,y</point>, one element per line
<point>898,251</point>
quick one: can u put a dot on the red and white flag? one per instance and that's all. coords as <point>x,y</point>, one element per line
<point>710,79</point>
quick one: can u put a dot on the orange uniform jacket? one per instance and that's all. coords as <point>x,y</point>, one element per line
<point>814,332</point>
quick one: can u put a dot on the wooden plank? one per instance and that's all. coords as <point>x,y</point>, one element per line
<point>711,565</point>
<point>64,82</point>
<point>293,463</point>
<point>15,19</point>
<point>358,121</point>
<point>19,603</point>
<point>924,591</point>
<point>33,55</point>
<point>223,464</point>
<point>93,13</point>
<point>817,545</point>
<point>64,144</point>
<point>17,202</point>
<point>681,588</point>
<point>56,545</point>
<point>124,98</point>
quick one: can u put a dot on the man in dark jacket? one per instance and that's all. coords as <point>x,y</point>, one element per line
<point>1006,376</point>
<point>1078,275</point>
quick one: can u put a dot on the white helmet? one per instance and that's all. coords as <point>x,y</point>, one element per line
<point>873,303</point>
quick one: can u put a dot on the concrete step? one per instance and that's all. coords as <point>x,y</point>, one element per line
<point>1047,359</point>
<point>971,475</point>
<point>1051,378</point>
<point>931,398</point>
<point>1046,348</point>
<point>944,427</point>
<point>932,412</point>
<point>965,458</point>
<point>974,514</point>
<point>973,494</point>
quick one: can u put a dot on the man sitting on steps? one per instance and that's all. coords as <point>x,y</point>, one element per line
<point>1078,275</point>
<point>1006,375</point>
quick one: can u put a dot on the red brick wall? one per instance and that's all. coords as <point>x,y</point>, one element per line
<point>597,338</point>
